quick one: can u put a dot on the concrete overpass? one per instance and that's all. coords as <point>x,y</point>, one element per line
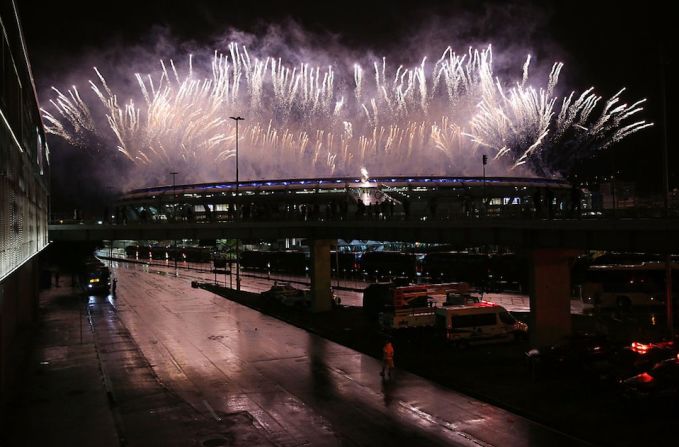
<point>644,235</point>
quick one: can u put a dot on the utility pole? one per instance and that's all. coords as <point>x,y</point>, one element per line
<point>666,196</point>
<point>337,264</point>
<point>236,119</point>
<point>174,216</point>
<point>484,162</point>
<point>669,305</point>
<point>613,180</point>
<point>665,158</point>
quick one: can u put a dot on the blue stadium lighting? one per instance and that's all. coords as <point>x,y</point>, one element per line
<point>374,182</point>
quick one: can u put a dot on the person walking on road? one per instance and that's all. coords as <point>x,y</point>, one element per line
<point>387,359</point>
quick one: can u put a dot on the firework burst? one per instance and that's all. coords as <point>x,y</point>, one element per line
<point>305,120</point>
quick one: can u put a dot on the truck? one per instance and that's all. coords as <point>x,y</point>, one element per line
<point>410,307</point>
<point>407,306</point>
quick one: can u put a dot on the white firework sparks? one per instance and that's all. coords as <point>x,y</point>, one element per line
<point>301,120</point>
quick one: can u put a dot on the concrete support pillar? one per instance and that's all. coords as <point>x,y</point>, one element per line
<point>320,275</point>
<point>550,295</point>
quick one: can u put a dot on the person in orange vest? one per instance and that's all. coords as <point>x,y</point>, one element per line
<point>387,359</point>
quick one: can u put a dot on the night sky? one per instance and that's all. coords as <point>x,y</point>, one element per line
<point>608,45</point>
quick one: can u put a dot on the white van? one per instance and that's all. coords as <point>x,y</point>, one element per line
<point>478,322</point>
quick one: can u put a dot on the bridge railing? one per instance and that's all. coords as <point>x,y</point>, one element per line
<point>429,205</point>
<point>381,213</point>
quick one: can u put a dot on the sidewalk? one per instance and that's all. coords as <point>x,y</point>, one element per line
<point>62,399</point>
<point>87,383</point>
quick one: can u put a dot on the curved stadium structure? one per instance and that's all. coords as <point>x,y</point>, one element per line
<point>347,198</point>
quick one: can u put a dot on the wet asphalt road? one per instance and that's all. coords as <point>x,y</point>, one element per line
<point>259,282</point>
<point>299,389</point>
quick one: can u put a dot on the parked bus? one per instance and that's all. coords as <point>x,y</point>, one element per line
<point>624,286</point>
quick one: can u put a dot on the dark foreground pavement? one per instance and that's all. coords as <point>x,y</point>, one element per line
<point>165,364</point>
<point>87,383</point>
<point>566,399</point>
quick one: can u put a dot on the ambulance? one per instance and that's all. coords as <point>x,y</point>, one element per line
<point>482,322</point>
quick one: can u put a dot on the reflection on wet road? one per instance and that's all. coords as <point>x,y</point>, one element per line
<point>259,282</point>
<point>300,389</point>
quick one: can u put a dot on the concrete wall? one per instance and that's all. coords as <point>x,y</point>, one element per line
<point>18,309</point>
<point>24,196</point>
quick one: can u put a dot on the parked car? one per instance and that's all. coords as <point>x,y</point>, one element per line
<point>281,292</point>
<point>660,382</point>
<point>292,296</point>
<point>461,299</point>
<point>300,299</point>
<point>635,359</point>
<point>582,353</point>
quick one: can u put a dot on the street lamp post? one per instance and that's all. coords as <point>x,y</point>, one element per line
<point>484,162</point>
<point>666,194</point>
<point>236,119</point>
<point>174,215</point>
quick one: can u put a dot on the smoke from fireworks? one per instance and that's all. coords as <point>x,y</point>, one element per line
<point>305,120</point>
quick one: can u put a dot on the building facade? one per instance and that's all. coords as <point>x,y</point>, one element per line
<point>24,194</point>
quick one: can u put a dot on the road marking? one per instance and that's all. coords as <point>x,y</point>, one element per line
<point>473,439</point>
<point>442,423</point>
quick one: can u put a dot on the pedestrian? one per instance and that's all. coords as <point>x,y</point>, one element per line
<point>387,359</point>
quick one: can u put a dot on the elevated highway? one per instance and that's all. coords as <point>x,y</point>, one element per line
<point>648,235</point>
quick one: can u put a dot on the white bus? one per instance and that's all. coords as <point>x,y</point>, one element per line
<point>624,286</point>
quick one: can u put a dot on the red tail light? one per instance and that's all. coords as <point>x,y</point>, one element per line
<point>645,377</point>
<point>640,348</point>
